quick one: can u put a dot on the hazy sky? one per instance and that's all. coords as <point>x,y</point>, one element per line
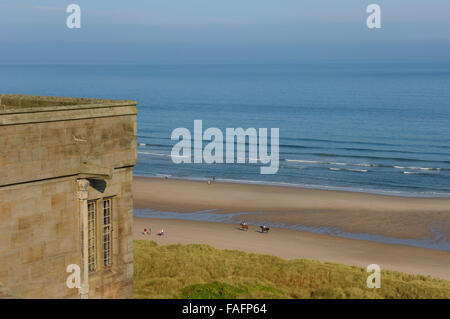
<point>223,31</point>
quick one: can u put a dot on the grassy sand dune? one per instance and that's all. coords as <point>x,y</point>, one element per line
<point>202,271</point>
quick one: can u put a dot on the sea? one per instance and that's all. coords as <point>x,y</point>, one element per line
<point>367,127</point>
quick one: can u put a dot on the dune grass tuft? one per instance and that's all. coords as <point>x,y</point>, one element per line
<point>201,271</point>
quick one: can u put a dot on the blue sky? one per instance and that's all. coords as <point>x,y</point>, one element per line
<point>223,31</point>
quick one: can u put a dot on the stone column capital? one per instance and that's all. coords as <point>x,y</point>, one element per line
<point>83,187</point>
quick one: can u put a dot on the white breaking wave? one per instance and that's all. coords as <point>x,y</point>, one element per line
<point>154,154</point>
<point>338,163</point>
<point>162,155</point>
<point>409,172</point>
<point>363,165</point>
<point>351,164</point>
<point>359,170</point>
<point>163,175</point>
<point>304,161</point>
<point>348,169</point>
<point>419,168</point>
<point>331,163</point>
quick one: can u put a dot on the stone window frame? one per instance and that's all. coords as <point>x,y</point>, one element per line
<point>99,228</point>
<point>92,234</point>
<point>107,228</point>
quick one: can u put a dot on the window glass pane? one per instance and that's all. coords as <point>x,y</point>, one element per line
<point>92,235</point>
<point>107,232</point>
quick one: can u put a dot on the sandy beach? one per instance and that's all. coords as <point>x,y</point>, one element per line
<point>396,217</point>
<point>292,244</point>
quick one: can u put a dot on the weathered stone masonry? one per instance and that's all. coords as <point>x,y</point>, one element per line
<point>48,146</point>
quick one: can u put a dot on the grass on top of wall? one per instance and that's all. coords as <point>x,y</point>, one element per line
<point>201,271</point>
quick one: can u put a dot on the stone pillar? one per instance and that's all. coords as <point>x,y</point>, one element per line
<point>83,186</point>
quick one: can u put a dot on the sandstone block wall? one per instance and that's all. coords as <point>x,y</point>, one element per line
<point>42,148</point>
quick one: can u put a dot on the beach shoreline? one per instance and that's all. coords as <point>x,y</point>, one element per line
<point>356,213</point>
<point>389,216</point>
<point>343,189</point>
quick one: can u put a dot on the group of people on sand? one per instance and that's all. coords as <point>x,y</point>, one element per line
<point>148,231</point>
<point>264,228</point>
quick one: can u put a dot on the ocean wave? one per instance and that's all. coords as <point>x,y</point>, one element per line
<point>417,173</point>
<point>294,167</point>
<point>338,163</point>
<point>332,163</point>
<point>358,150</point>
<point>163,175</point>
<point>368,165</point>
<point>365,146</point>
<point>419,168</point>
<point>162,154</point>
<point>338,142</point>
<point>282,146</point>
<point>154,154</point>
<point>348,169</point>
<point>304,161</point>
<point>399,159</point>
<point>353,164</point>
<point>155,145</point>
<point>405,169</point>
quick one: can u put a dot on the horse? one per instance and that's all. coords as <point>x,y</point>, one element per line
<point>264,229</point>
<point>244,226</point>
<point>160,233</point>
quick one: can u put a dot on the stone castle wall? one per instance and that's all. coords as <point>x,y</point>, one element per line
<point>41,155</point>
